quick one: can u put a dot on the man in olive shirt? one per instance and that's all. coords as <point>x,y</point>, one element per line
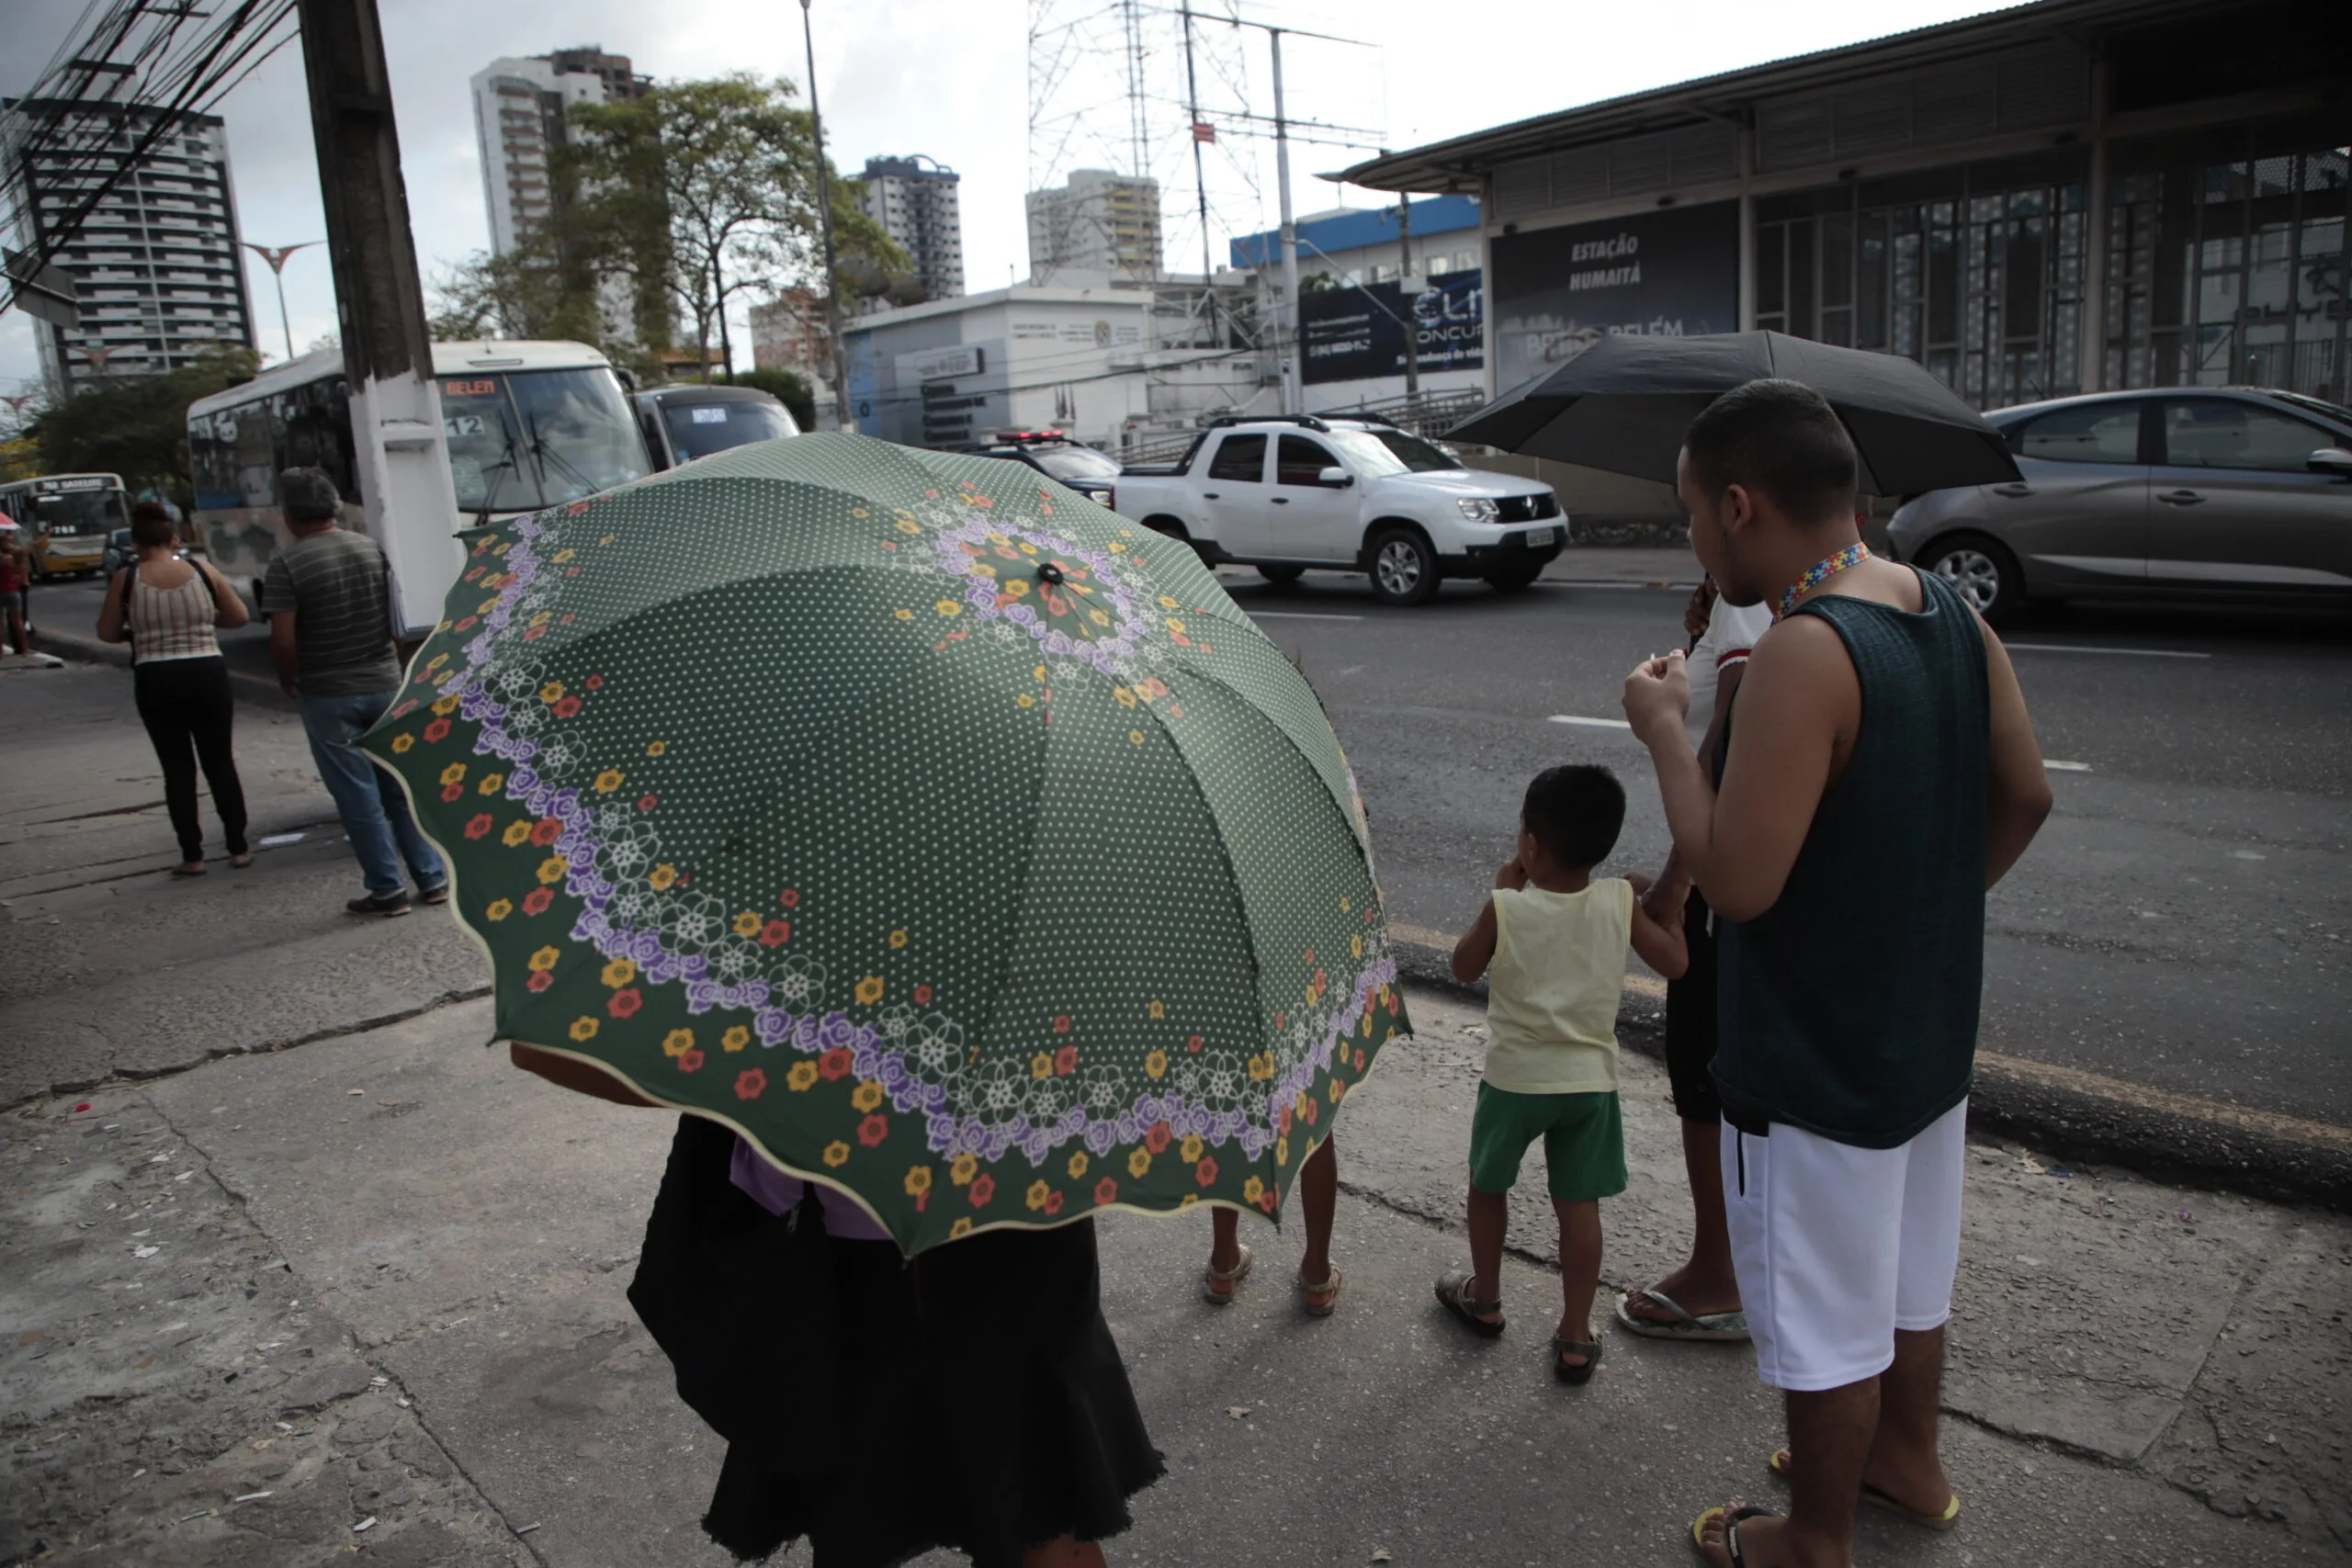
<point>328,597</point>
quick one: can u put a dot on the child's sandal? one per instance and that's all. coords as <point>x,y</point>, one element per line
<point>1574,1376</point>
<point>1453,1294</point>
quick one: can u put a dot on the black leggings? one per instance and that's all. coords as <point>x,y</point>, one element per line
<point>186,703</point>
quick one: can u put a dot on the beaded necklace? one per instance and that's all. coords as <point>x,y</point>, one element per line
<point>1821,571</point>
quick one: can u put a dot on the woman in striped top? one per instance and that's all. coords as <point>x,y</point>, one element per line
<point>166,607</point>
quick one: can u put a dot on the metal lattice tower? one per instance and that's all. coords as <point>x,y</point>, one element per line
<point>1110,88</point>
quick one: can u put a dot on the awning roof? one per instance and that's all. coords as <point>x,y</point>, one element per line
<point>1460,162</point>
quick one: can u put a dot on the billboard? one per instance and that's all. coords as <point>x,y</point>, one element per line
<point>1353,333</point>
<point>1673,272</point>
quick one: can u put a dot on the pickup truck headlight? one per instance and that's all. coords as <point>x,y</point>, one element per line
<point>1479,509</point>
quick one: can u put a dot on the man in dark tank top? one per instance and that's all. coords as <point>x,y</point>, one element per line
<point>1878,774</point>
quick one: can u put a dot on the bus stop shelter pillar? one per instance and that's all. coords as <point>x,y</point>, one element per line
<point>1745,139</point>
<point>402,461</point>
<point>2093,332</point>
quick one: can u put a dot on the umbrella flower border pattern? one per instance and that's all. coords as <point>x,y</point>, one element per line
<point>599,842</point>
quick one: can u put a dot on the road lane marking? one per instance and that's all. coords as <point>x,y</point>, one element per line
<point>2078,648</point>
<point>1590,723</point>
<point>1298,615</point>
<point>2058,767</point>
<point>2096,1085</point>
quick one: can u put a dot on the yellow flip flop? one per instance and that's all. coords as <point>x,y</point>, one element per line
<point>1877,1499</point>
<point>1732,1515</point>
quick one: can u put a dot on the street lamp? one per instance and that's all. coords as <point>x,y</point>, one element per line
<point>276,257</point>
<point>825,218</point>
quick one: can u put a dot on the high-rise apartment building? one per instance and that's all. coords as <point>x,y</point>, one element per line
<point>1098,221</point>
<point>156,264</point>
<point>520,109</point>
<point>915,200</point>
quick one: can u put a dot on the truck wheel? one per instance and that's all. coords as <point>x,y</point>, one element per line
<point>1980,570</point>
<point>1281,576</point>
<point>1512,579</point>
<point>1404,568</point>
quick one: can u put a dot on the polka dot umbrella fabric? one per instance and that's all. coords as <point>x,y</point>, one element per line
<point>952,839</point>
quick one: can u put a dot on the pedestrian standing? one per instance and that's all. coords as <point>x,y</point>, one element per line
<point>1319,1278</point>
<point>1878,773</point>
<point>1699,1301</point>
<point>328,595</point>
<point>982,1404</point>
<point>1555,939</point>
<point>166,605</point>
<point>15,571</point>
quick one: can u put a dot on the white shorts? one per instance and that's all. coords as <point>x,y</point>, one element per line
<point>1837,1248</point>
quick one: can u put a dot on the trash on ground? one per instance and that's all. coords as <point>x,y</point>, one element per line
<point>278,841</point>
<point>1236,1411</point>
<point>2061,1172</point>
<point>525,1530</point>
<point>253,1496</point>
<point>1381,1554</point>
<point>367,1524</point>
<point>200,1514</point>
<point>145,1251</point>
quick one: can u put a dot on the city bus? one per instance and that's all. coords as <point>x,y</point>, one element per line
<point>528,424</point>
<point>67,519</point>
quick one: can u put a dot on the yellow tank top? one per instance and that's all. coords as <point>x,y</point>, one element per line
<point>1553,989</point>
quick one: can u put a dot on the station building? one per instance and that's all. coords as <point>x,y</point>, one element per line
<point>2064,197</point>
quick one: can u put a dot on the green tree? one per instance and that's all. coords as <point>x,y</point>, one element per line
<point>137,425</point>
<point>707,190</point>
<point>530,292</point>
<point>787,387</point>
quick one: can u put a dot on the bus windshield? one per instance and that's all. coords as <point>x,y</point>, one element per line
<point>525,439</point>
<point>95,511</point>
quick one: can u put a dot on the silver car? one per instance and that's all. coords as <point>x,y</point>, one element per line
<point>2173,493</point>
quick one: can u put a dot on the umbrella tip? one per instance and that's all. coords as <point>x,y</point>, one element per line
<point>1050,572</point>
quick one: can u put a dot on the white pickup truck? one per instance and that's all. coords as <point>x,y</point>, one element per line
<point>1296,493</point>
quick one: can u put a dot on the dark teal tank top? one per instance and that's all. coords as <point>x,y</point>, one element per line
<point>1849,1008</point>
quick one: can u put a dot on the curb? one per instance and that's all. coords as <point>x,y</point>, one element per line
<point>85,649</point>
<point>2226,1151</point>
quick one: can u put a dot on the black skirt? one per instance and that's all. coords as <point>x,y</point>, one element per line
<point>982,1404</point>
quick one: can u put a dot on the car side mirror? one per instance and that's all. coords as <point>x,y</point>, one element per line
<point>2331,460</point>
<point>1338,478</point>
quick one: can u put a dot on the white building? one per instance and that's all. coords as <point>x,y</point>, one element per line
<point>1099,363</point>
<point>915,199</point>
<point>520,104</point>
<point>155,264</point>
<point>1098,221</point>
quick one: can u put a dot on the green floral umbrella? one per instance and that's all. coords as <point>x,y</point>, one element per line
<point>947,836</point>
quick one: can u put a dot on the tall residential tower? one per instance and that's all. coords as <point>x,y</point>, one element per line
<point>520,107</point>
<point>915,200</point>
<point>156,264</point>
<point>1100,222</point>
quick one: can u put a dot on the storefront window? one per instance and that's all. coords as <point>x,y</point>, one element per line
<point>2225,259</point>
<point>1977,273</point>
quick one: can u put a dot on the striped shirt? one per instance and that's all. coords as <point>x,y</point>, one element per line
<point>171,623</point>
<point>338,587</point>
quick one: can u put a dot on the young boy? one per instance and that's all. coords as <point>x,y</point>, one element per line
<point>1556,940</point>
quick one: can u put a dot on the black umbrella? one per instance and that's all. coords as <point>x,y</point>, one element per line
<point>1624,403</point>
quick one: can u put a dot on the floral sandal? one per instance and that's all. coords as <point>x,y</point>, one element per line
<point>1220,1286</point>
<point>1453,1294</point>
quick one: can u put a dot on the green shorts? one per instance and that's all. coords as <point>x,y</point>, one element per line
<point>1584,1142</point>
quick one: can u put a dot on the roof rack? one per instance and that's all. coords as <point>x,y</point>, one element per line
<point>1307,420</point>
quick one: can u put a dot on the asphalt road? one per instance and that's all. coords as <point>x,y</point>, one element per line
<point>2181,922</point>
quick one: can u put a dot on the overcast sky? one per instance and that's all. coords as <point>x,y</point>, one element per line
<point>949,78</point>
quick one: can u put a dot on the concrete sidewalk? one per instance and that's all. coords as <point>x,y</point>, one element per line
<point>253,1306</point>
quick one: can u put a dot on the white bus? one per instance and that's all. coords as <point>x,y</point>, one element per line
<point>529,425</point>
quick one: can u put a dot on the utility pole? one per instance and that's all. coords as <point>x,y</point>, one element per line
<point>1293,372</point>
<point>841,420</point>
<point>402,460</point>
<point>276,257</point>
<point>1200,180</point>
<point>1404,298</point>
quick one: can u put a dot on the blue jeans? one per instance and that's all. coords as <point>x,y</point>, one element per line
<point>374,811</point>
